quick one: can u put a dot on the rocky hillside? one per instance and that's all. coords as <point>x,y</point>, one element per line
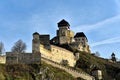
<point>85,63</point>
<point>109,69</point>
<point>31,72</point>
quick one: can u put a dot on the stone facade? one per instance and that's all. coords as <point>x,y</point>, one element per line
<point>64,34</point>
<point>2,59</point>
<point>58,54</point>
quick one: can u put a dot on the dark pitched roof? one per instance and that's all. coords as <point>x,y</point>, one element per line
<point>63,23</point>
<point>36,33</point>
<point>80,34</point>
<point>112,54</point>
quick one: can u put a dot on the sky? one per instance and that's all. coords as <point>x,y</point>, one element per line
<point>98,19</point>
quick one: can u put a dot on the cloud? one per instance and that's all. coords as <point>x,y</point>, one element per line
<point>107,41</point>
<point>87,28</point>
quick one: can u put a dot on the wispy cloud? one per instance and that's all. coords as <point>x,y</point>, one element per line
<point>107,41</point>
<point>100,24</point>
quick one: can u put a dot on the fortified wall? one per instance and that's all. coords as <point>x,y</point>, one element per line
<point>58,54</point>
<point>24,58</point>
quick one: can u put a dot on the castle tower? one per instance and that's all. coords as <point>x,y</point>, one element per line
<point>35,43</point>
<point>81,42</point>
<point>80,38</point>
<point>113,58</point>
<point>64,34</point>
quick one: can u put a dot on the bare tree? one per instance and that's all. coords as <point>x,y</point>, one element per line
<point>19,47</point>
<point>2,50</point>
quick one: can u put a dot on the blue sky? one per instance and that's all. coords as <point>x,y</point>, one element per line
<point>98,19</point>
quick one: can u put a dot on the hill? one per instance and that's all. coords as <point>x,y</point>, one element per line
<point>109,69</point>
<point>85,63</point>
<point>31,72</point>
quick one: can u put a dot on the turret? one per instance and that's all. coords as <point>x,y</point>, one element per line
<point>35,43</point>
<point>113,58</point>
<point>36,36</point>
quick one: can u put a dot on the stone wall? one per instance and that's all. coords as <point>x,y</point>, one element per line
<point>27,58</point>
<point>2,59</point>
<point>58,54</point>
<point>71,71</point>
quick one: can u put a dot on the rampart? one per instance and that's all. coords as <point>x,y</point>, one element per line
<point>71,71</point>
<point>26,58</point>
<point>58,54</point>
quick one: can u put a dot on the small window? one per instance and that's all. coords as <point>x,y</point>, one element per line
<point>83,39</point>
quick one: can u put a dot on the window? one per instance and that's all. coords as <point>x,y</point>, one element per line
<point>83,39</point>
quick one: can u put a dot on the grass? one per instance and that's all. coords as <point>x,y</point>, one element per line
<point>86,62</point>
<point>30,71</point>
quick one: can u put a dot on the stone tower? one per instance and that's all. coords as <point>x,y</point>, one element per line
<point>81,42</point>
<point>64,34</point>
<point>80,38</point>
<point>35,43</point>
<point>113,58</point>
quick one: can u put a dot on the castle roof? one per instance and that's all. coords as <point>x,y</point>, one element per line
<point>36,33</point>
<point>113,54</point>
<point>79,34</point>
<point>63,23</point>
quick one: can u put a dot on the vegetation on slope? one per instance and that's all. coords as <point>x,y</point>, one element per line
<point>87,62</point>
<point>31,72</point>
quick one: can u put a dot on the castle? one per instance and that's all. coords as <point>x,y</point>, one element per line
<point>51,49</point>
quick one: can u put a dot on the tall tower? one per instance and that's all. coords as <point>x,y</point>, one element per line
<point>35,43</point>
<point>64,34</point>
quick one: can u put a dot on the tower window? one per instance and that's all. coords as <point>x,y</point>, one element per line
<point>83,39</point>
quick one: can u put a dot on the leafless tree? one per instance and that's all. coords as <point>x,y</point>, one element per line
<point>2,50</point>
<point>19,47</point>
